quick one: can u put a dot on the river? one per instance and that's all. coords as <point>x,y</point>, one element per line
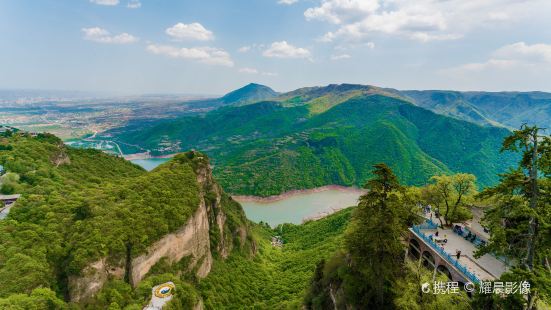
<point>287,208</point>
<point>299,206</point>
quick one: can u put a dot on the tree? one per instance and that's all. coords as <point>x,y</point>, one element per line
<point>520,218</point>
<point>374,238</point>
<point>39,298</point>
<point>9,183</point>
<point>451,195</point>
<point>411,297</point>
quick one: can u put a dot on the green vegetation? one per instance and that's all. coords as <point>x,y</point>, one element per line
<point>509,109</point>
<point>276,278</point>
<point>248,94</point>
<point>315,137</point>
<point>370,271</point>
<point>451,195</point>
<point>520,216</point>
<point>9,183</point>
<point>78,206</point>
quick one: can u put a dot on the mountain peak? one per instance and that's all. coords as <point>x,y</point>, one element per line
<point>249,93</point>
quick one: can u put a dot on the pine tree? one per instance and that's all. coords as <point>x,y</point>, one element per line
<point>520,218</point>
<point>374,238</point>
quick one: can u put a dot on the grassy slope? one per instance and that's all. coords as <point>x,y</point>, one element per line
<point>276,278</point>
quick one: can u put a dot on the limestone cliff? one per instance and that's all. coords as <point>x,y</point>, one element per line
<point>216,227</point>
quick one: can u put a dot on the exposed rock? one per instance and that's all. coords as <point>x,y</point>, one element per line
<point>194,240</point>
<point>92,279</point>
<point>60,158</point>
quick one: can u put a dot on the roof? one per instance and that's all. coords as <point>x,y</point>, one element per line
<point>6,197</point>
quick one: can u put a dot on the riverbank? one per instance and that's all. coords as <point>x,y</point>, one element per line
<point>299,206</point>
<point>274,198</point>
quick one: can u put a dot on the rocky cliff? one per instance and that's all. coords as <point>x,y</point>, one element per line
<point>216,227</point>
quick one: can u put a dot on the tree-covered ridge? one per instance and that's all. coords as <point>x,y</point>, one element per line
<point>268,148</point>
<point>509,109</point>
<point>79,206</point>
<point>248,94</point>
<point>276,278</point>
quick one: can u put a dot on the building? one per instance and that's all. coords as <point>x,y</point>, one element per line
<point>9,199</point>
<point>7,202</point>
<point>451,252</point>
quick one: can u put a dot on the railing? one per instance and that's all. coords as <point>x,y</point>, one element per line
<point>452,261</point>
<point>428,224</point>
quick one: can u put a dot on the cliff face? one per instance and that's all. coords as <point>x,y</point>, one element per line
<point>206,234</point>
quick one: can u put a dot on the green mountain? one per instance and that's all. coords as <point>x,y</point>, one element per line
<point>316,136</point>
<point>248,94</point>
<point>507,109</point>
<point>93,231</point>
<point>88,222</point>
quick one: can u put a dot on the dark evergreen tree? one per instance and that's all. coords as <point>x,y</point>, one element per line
<point>520,216</point>
<point>374,238</point>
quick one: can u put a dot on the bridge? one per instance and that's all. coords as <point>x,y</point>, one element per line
<point>440,257</point>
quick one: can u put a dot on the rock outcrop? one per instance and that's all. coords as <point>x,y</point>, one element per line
<point>206,233</point>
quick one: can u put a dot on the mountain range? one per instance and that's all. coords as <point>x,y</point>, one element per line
<point>317,136</point>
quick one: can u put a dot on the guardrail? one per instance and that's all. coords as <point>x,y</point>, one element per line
<point>452,261</point>
<point>428,224</point>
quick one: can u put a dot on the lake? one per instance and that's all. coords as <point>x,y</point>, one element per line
<point>150,163</point>
<point>291,208</point>
<point>297,207</point>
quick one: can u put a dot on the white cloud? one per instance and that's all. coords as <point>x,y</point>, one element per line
<point>340,56</point>
<point>339,11</point>
<point>134,4</point>
<point>248,70</point>
<point>287,2</point>
<point>105,2</point>
<point>248,48</point>
<point>370,45</point>
<point>481,66</point>
<point>421,20</point>
<point>193,31</point>
<point>522,51</point>
<point>101,35</point>
<point>207,55</point>
<point>498,16</point>
<point>513,56</point>
<point>282,49</point>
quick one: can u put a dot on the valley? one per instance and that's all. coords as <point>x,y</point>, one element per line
<point>298,141</point>
<point>270,208</point>
<point>275,155</point>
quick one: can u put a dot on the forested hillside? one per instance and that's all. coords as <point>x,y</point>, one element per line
<point>277,278</point>
<point>80,207</point>
<point>302,142</point>
<point>508,109</point>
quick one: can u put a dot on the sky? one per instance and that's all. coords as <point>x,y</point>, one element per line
<point>212,47</point>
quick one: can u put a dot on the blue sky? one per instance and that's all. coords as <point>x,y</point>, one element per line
<point>211,47</point>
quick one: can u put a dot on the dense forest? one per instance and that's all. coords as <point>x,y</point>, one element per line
<point>79,206</point>
<point>320,137</point>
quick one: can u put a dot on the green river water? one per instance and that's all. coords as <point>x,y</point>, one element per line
<point>294,208</point>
